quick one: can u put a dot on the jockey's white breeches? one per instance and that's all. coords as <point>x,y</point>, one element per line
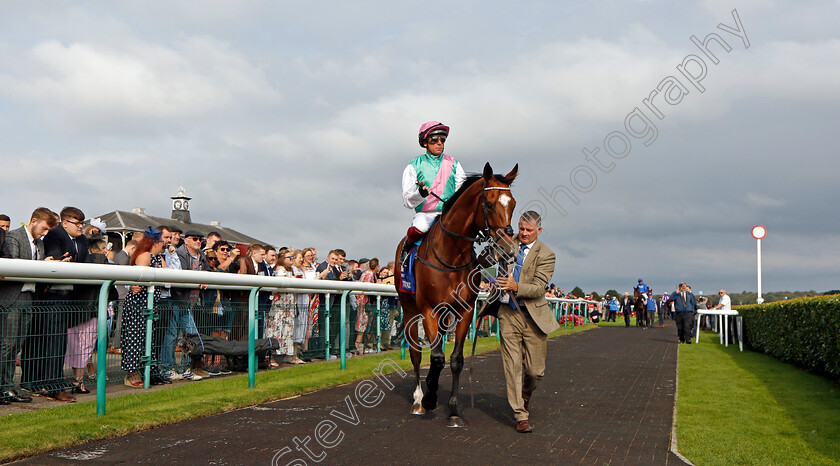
<point>423,220</point>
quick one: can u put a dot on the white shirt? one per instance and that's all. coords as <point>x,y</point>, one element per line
<point>725,303</point>
<point>34,250</point>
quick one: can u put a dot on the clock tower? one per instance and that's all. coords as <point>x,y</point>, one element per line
<point>181,206</point>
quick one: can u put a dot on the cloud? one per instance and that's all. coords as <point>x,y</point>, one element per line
<point>760,200</point>
<point>92,85</point>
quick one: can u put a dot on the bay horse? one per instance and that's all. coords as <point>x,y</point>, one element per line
<point>448,278</point>
<point>640,308</point>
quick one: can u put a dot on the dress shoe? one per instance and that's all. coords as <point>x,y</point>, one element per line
<point>16,397</point>
<point>156,380</point>
<point>523,427</point>
<point>60,396</point>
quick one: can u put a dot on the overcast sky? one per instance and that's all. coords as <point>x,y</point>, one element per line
<point>292,122</point>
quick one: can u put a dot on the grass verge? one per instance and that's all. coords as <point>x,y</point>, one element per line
<point>30,433</point>
<point>748,408</point>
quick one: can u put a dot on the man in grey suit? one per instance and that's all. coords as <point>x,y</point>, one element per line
<point>526,323</point>
<point>685,306</point>
<point>4,251</point>
<point>16,299</point>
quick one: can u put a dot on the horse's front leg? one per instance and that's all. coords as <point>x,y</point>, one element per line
<point>437,361</point>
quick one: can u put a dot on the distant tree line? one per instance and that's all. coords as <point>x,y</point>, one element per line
<point>744,297</point>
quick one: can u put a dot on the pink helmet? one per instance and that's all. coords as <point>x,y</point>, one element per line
<point>430,128</point>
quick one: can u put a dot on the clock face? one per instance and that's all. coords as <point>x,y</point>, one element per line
<point>186,205</point>
<point>177,205</point>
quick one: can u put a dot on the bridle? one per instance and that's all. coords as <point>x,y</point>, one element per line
<point>484,234</point>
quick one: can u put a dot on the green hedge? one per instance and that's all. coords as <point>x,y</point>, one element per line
<point>804,332</point>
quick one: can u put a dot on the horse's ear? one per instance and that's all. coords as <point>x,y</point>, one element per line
<point>512,175</point>
<point>488,171</point>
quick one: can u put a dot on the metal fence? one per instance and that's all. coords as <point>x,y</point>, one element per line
<point>56,343</point>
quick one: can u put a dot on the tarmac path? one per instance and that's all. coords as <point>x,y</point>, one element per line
<point>607,398</point>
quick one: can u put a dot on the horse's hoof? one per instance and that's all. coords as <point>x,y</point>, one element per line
<point>455,421</point>
<point>418,409</point>
<point>429,406</point>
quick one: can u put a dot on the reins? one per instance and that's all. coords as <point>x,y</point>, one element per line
<point>483,234</point>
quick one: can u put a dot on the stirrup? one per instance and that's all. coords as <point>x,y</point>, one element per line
<point>404,256</point>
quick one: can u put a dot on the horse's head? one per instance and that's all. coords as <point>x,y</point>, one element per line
<point>496,206</point>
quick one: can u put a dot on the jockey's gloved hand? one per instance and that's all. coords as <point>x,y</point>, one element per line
<point>424,191</point>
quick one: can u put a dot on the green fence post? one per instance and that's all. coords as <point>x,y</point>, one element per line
<point>498,333</point>
<point>474,328</point>
<point>378,324</point>
<point>252,330</point>
<point>326,328</point>
<point>402,343</point>
<point>565,315</point>
<point>102,347</point>
<point>150,317</point>
<point>342,331</point>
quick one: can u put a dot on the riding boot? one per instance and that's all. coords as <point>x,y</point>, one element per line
<point>406,250</point>
<point>412,235</point>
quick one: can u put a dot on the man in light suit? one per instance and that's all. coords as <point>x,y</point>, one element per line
<point>16,300</point>
<point>626,307</point>
<point>526,319</point>
<point>685,306</point>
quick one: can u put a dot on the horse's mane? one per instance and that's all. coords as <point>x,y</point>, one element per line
<point>471,179</point>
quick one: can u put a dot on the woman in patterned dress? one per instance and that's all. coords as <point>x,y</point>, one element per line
<point>310,262</point>
<point>133,337</point>
<point>302,323</point>
<point>281,317</point>
<point>363,314</point>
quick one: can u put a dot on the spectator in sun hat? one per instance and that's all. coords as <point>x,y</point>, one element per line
<point>148,254</point>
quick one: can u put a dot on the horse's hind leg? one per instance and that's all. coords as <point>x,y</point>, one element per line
<point>416,358</point>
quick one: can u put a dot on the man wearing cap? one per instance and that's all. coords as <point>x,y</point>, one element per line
<point>190,257</point>
<point>650,307</point>
<point>428,181</point>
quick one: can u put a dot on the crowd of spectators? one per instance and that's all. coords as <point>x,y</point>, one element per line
<point>47,327</point>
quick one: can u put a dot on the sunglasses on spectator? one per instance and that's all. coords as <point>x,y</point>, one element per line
<point>75,222</point>
<point>212,258</point>
<point>195,238</point>
<point>434,140</point>
<point>224,249</point>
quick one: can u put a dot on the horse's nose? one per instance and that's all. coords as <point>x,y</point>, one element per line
<point>509,230</point>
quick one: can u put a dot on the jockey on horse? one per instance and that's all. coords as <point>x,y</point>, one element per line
<point>432,173</point>
<point>640,294</point>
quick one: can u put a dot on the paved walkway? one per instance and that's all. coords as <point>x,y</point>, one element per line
<point>607,398</point>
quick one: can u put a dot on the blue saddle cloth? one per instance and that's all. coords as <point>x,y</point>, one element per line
<point>408,282</point>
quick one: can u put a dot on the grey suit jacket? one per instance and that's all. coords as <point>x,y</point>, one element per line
<point>122,258</point>
<point>533,278</point>
<point>17,243</point>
